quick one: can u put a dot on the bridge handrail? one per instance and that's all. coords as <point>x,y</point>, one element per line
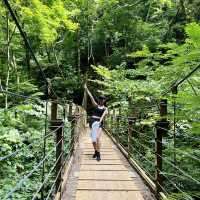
<point>137,143</point>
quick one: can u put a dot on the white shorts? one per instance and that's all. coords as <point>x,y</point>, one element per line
<point>94,130</point>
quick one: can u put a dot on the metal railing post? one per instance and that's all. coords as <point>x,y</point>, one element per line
<point>114,122</point>
<point>118,128</point>
<point>108,124</point>
<point>54,109</point>
<point>130,133</point>
<point>73,134</point>
<point>59,154</point>
<point>57,124</point>
<point>111,122</point>
<point>161,129</point>
<point>70,111</point>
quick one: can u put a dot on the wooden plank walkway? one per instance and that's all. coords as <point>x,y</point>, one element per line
<point>108,179</point>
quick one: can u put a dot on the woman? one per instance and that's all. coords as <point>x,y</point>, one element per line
<point>96,122</point>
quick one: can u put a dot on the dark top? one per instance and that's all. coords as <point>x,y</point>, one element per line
<point>98,111</point>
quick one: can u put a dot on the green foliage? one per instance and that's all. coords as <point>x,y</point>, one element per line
<point>153,73</point>
<point>132,54</point>
<point>47,19</point>
<point>22,128</point>
<point>16,132</point>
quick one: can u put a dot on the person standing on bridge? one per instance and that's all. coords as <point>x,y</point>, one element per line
<point>96,122</point>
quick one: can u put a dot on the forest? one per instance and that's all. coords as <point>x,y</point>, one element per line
<point>135,52</point>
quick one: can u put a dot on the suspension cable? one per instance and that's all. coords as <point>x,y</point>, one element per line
<point>19,184</point>
<point>180,170</point>
<point>39,140</point>
<point>22,33</point>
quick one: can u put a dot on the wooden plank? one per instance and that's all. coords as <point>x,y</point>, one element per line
<point>108,179</point>
<point>67,169</point>
<point>107,185</point>
<point>102,146</point>
<point>103,168</point>
<point>104,139</point>
<point>108,195</point>
<point>102,162</point>
<point>104,175</point>
<point>102,150</point>
<point>102,153</point>
<point>57,197</point>
<point>104,157</point>
<point>102,143</point>
<point>87,136</point>
<point>134,164</point>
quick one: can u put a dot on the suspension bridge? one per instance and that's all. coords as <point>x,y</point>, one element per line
<point>122,172</point>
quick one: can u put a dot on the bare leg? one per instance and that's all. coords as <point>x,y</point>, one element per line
<point>98,144</point>
<point>95,145</point>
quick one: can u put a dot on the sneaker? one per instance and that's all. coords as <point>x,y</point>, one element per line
<point>98,156</point>
<point>95,154</point>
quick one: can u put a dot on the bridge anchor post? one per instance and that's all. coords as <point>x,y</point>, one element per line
<point>113,122</point>
<point>131,120</point>
<point>161,127</point>
<point>73,120</point>
<point>58,126</point>
<point>118,124</point>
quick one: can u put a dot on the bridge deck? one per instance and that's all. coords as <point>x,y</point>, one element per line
<point>109,179</point>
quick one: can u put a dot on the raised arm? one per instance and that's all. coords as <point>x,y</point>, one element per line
<point>90,95</point>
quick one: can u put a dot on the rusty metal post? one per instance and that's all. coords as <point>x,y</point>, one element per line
<point>78,123</point>
<point>161,129</point>
<point>55,123</point>
<point>70,111</point>
<point>174,96</point>
<point>120,110</point>
<point>118,124</point>
<point>54,110</point>
<point>109,116</point>
<point>113,123</point>
<point>73,134</point>
<point>130,133</point>
<point>118,128</point>
<point>71,119</point>
<point>65,111</point>
<point>58,124</point>
<point>134,129</point>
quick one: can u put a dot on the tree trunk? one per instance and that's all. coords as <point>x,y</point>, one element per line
<point>78,52</point>
<point>48,53</point>
<point>28,59</point>
<point>57,63</point>
<point>14,64</point>
<point>149,9</point>
<point>8,60</point>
